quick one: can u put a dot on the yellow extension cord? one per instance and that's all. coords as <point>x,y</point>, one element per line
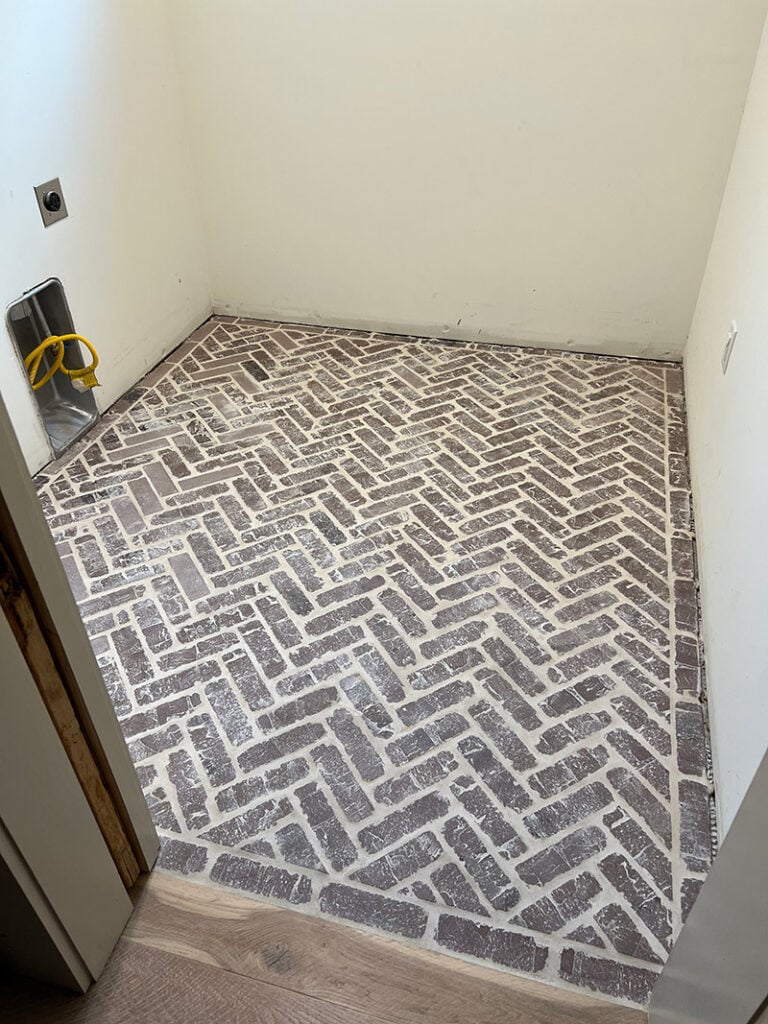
<point>85,377</point>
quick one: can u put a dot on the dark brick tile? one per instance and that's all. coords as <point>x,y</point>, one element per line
<point>160,714</point>
<point>247,680</point>
<point>618,980</point>
<point>182,857</point>
<point>578,727</point>
<point>399,823</point>
<point>283,743</point>
<point>561,856</point>
<point>695,835</point>
<point>641,848</point>
<point>261,879</point>
<point>456,891</point>
<point>567,771</point>
<point>432,703</point>
<point>373,910</point>
<point>211,750</point>
<point>358,748</point>
<point>154,743</point>
<point>642,724</point>
<point>239,830</point>
<point>333,839</point>
<point>562,814</point>
<point>648,906</point>
<point>401,862</point>
<point>691,739</point>
<point>342,783</point>
<point>507,843</point>
<point>553,912</point>
<point>480,864</point>
<point>509,792</point>
<point>229,712</point>
<point>624,934</point>
<point>306,706</point>
<point>587,934</point>
<point>506,741</point>
<point>641,800</point>
<point>513,703</point>
<point>499,945</point>
<point>421,776</point>
<point>421,740</point>
<point>691,888</point>
<point>264,651</point>
<point>190,792</point>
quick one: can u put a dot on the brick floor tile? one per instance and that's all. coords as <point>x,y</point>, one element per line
<point>407,633</point>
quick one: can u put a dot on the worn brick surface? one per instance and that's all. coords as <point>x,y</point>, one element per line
<point>406,633</point>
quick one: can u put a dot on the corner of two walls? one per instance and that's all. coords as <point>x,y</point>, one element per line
<point>537,173</point>
<point>552,179</point>
<point>97,103</point>
<point>728,439</point>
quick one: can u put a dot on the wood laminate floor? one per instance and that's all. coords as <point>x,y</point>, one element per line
<point>196,955</point>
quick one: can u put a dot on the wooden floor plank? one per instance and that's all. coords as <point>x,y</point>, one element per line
<point>142,985</point>
<point>193,954</point>
<point>359,972</point>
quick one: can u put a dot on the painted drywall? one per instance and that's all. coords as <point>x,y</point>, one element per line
<point>537,171</point>
<point>728,437</point>
<point>96,102</point>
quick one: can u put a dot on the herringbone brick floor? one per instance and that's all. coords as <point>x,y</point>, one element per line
<point>406,633</point>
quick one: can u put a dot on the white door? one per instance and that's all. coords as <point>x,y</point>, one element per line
<point>74,826</point>
<point>50,842</point>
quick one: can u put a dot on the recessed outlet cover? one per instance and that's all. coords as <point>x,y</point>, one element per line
<point>50,199</point>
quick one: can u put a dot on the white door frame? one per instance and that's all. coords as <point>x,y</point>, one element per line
<point>50,843</point>
<point>104,734</point>
<point>718,970</point>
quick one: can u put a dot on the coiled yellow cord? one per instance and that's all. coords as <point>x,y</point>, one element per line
<point>85,376</point>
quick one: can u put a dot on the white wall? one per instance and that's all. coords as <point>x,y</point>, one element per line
<point>728,436</point>
<point>95,100</point>
<point>545,171</point>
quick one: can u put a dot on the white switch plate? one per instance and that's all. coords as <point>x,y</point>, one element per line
<point>732,335</point>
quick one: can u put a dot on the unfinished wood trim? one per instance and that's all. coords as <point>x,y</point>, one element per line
<point>354,971</point>
<point>24,528</point>
<point>22,615</point>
